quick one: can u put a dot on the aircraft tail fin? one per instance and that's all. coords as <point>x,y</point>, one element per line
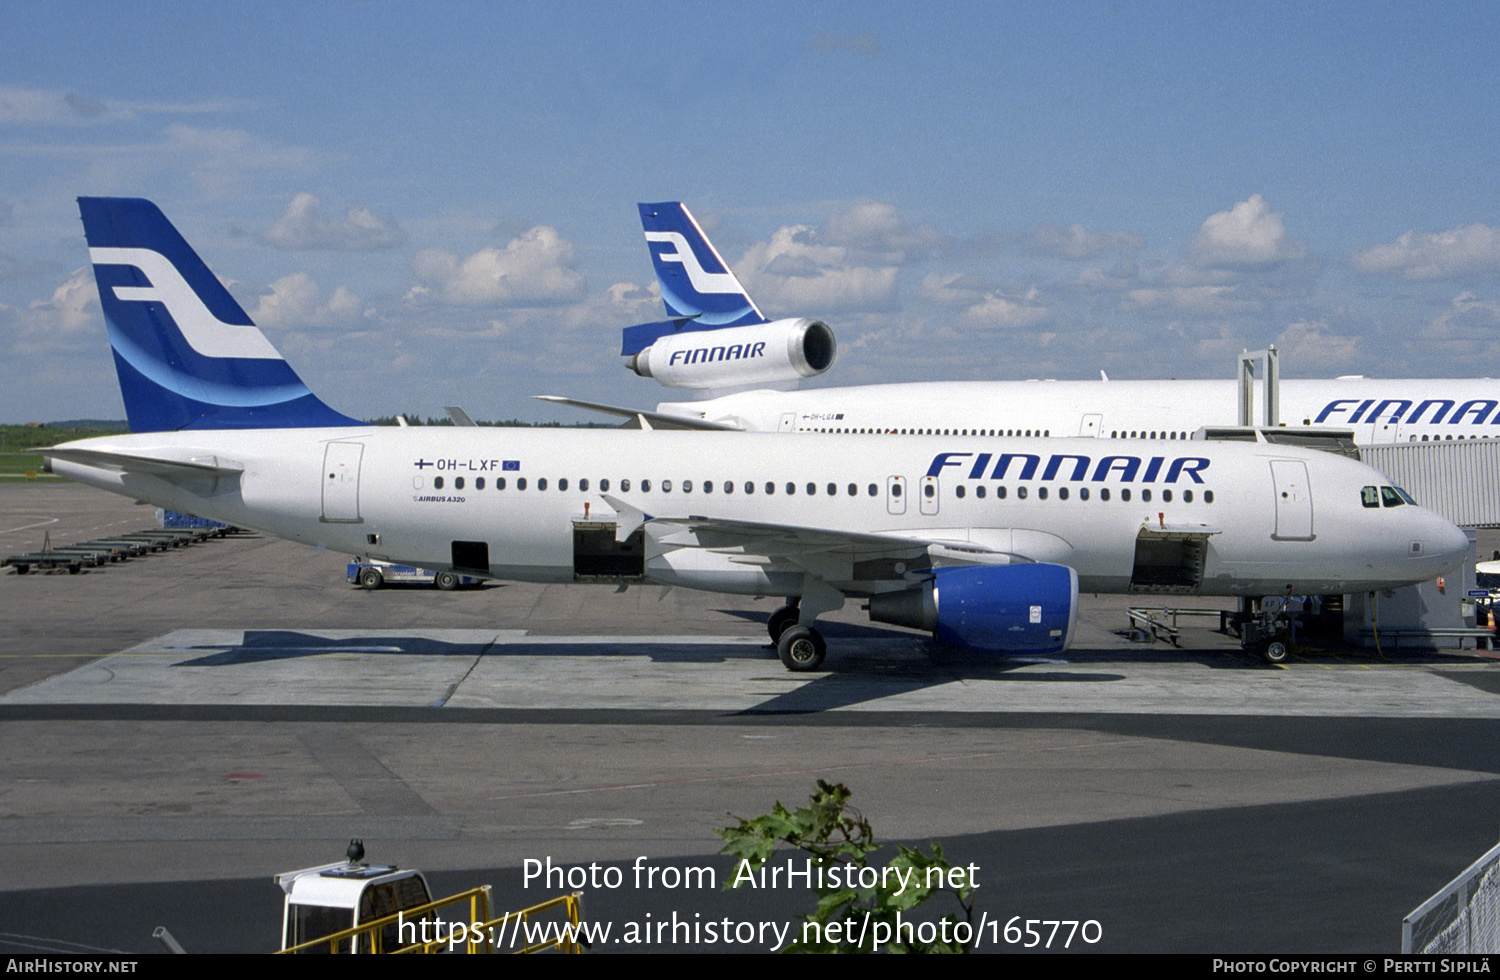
<point>697,286</point>
<point>187,355</point>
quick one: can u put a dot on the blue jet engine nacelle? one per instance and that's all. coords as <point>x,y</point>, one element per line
<point>1029,608</point>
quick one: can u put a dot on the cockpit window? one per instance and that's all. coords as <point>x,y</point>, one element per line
<point>1390,498</point>
<point>1405,496</point>
<point>1370,496</point>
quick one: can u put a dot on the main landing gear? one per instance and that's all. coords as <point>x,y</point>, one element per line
<point>799,647</point>
<point>781,619</point>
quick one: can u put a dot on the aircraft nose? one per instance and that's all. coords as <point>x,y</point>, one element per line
<point>1439,543</point>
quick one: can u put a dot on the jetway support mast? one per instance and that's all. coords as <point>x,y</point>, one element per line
<point>1270,372</point>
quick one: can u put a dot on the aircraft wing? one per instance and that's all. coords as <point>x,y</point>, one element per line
<point>645,420</point>
<point>187,466</point>
<point>775,540</point>
<point>852,562</point>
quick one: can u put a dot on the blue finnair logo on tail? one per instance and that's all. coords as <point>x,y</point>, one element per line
<point>697,288</point>
<point>186,353</point>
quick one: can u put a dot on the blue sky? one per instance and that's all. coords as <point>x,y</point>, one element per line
<point>433,205</point>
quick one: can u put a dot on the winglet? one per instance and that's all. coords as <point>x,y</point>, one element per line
<point>630,517</point>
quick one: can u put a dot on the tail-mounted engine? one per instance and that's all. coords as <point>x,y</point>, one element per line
<point>782,350</point>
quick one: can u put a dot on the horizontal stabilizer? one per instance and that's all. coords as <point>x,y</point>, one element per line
<point>656,419</point>
<point>182,464</point>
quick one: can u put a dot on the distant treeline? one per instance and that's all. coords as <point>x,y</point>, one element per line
<point>15,440</point>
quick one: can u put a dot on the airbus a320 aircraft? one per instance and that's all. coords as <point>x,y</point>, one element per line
<point>717,339</point>
<point>984,542</point>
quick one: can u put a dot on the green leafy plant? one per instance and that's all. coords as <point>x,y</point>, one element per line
<point>862,907</point>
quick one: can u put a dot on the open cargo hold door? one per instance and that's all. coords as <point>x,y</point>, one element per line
<point>1170,557</point>
<point>598,557</point>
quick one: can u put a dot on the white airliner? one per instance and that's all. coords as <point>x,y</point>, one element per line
<point>717,339</point>
<point>985,542</point>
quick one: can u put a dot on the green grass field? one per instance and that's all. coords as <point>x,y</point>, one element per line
<point>16,439</point>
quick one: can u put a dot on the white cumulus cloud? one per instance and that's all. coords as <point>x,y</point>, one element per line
<point>795,273</point>
<point>296,301</point>
<point>1001,312</point>
<point>534,269</point>
<point>54,106</point>
<point>1313,346</point>
<point>1247,236</point>
<point>304,226</point>
<point>1473,250</point>
<point>1077,242</point>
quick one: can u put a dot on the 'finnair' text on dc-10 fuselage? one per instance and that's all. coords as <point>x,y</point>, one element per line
<point>717,339</point>
<point>986,542</point>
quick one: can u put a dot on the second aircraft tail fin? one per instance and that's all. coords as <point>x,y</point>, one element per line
<point>697,286</point>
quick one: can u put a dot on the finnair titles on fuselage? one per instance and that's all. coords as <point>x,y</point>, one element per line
<point>711,315</point>
<point>985,542</point>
